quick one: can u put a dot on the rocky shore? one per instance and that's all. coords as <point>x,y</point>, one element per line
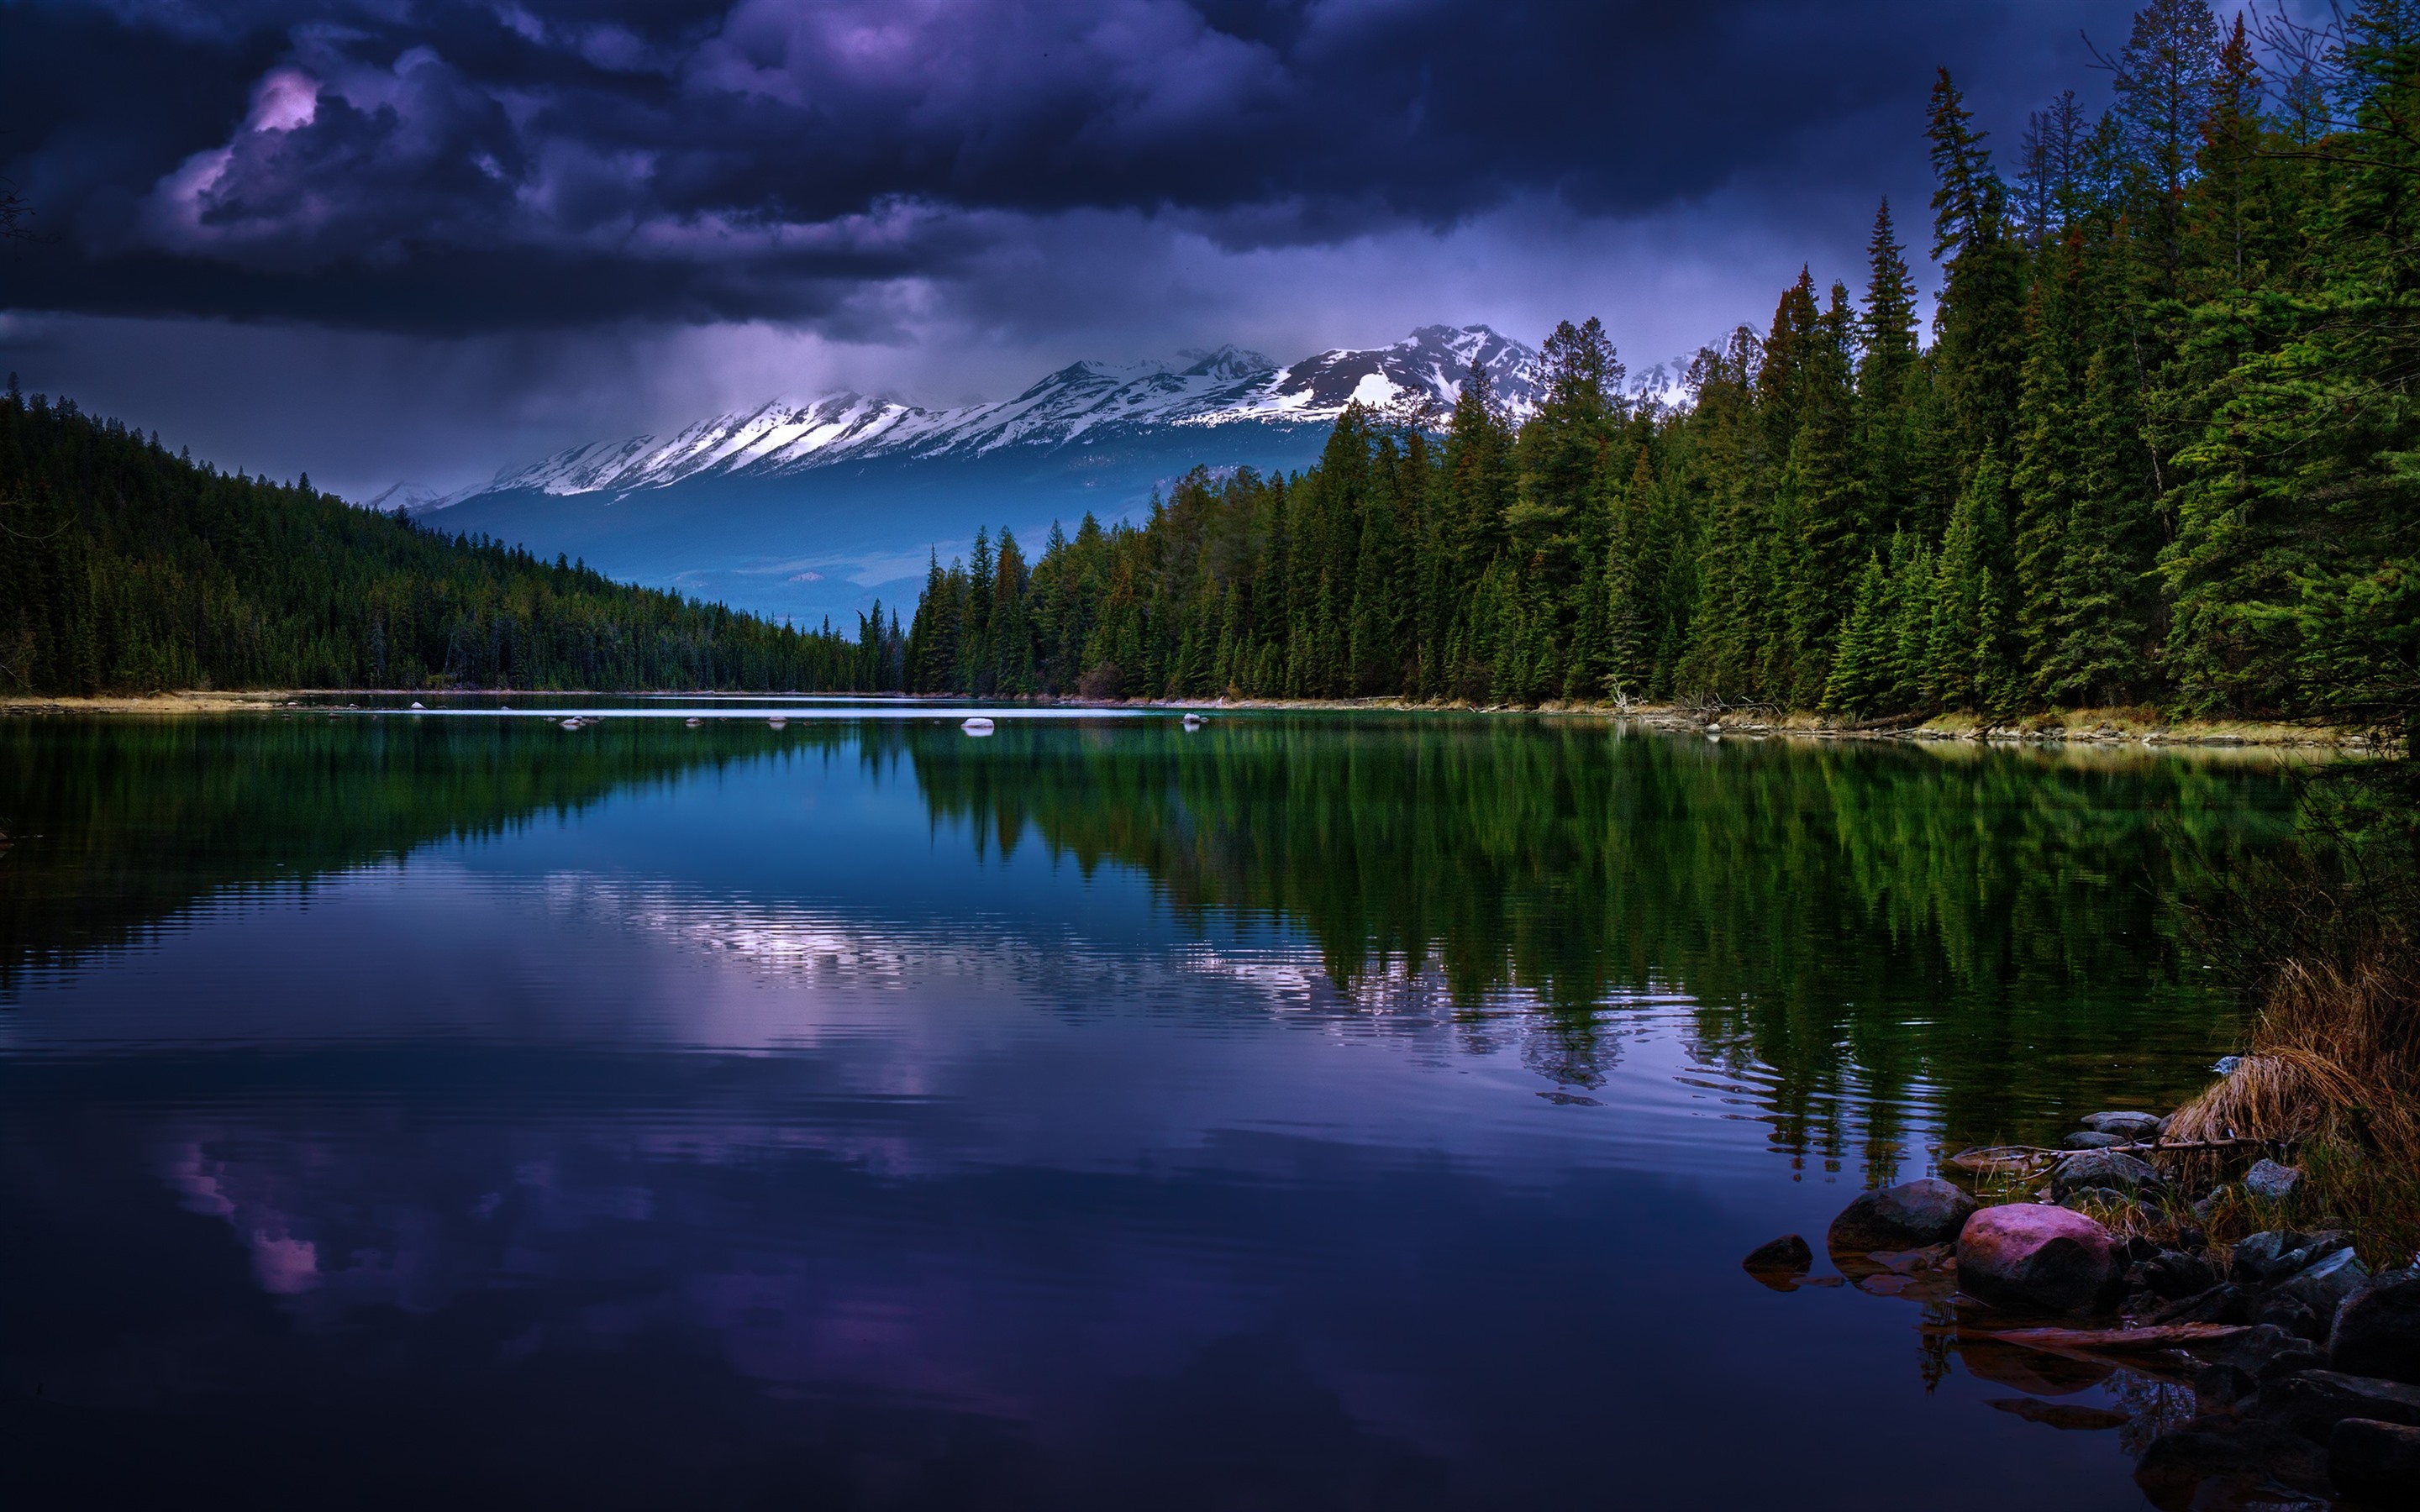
<point>2292,1371</point>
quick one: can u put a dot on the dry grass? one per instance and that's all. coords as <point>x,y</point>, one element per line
<point>2335,1070</point>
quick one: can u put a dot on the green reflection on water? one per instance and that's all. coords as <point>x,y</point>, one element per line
<point>2002,925</point>
<point>1861,929</point>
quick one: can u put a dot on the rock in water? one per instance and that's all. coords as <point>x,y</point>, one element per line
<point>2124,1125</point>
<point>2377,1330</point>
<point>1910,1215</point>
<point>2029,1257</point>
<point>2312,1402</point>
<point>2377,1462</point>
<point>2271,1182</point>
<point>2089,1141</point>
<point>2177,1463</point>
<point>2102,1167</point>
<point>1780,1263</point>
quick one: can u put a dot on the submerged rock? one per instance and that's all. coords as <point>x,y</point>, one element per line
<point>2036,1371</point>
<point>2069,1415</point>
<point>2126,1125</point>
<point>2104,1167</point>
<point>1780,1262</point>
<point>2179,1462</point>
<point>2311,1402</point>
<point>2030,1257</point>
<point>2377,1330</point>
<point>1910,1215</point>
<point>2379,1462</point>
<point>2271,1182</point>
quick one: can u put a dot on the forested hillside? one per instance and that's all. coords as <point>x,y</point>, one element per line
<point>2160,448</point>
<point>125,569</point>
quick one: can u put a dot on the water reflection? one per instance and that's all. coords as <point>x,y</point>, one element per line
<point>1292,1113</point>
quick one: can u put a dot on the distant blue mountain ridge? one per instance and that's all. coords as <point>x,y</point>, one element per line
<point>811,507</point>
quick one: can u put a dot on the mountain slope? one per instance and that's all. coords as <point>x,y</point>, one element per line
<point>815,505</point>
<point>125,569</point>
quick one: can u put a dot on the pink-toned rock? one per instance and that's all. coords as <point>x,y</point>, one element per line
<point>2030,1257</point>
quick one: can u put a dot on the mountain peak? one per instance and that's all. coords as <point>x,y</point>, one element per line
<point>1414,380</point>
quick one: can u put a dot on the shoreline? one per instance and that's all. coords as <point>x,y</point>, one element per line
<point>2074,727</point>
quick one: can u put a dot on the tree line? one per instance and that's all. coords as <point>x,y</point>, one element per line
<point>2160,448</point>
<point>123,568</point>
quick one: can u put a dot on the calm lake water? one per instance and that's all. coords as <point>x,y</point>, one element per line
<point>1334,1112</point>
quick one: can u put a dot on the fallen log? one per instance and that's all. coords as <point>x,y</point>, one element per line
<point>2117,1341</point>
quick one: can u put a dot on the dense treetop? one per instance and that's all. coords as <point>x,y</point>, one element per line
<point>2159,449</point>
<point>122,567</point>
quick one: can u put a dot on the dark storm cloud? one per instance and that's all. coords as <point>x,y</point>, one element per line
<point>434,167</point>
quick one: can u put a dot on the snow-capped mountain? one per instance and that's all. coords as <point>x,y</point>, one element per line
<point>814,506</point>
<point>1414,380</point>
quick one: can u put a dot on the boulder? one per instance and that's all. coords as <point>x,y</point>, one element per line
<point>2377,1462</point>
<point>2029,1257</point>
<point>2268,1257</point>
<point>2102,1167</point>
<point>2312,1402</point>
<point>2326,1283</point>
<point>2377,1329</point>
<point>2089,1141</point>
<point>1910,1215</point>
<point>2127,1125</point>
<point>1780,1263</point>
<point>2173,1273</point>
<point>2272,1182</point>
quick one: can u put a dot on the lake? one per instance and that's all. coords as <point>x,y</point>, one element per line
<point>1337,1111</point>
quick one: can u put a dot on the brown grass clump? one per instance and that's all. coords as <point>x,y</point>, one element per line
<point>2334,1069</point>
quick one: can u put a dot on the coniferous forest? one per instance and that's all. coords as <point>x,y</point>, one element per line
<point>123,568</point>
<point>2159,449</point>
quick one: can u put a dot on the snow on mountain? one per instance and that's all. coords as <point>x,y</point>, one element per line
<point>414,496</point>
<point>1414,380</point>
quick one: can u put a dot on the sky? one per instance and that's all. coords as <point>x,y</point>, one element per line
<point>420,240</point>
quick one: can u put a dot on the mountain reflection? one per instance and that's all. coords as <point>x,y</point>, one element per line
<point>1855,933</point>
<point>1852,919</point>
<point>1299,1113</point>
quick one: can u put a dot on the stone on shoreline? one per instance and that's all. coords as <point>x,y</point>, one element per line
<point>1910,1215</point>
<point>2125,1125</point>
<point>2102,1167</point>
<point>2327,1283</point>
<point>2271,1182</point>
<point>2377,1330</point>
<point>2090,1140</point>
<point>2026,1256</point>
<point>2378,1461</point>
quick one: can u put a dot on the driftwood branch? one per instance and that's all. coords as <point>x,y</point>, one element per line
<point>1992,1155</point>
